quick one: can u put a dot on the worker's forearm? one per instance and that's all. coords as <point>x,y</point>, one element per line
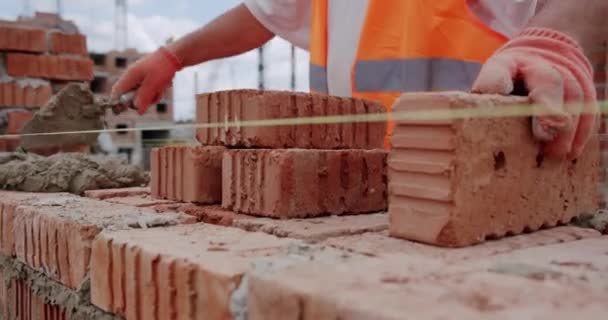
<point>232,33</point>
<point>584,20</point>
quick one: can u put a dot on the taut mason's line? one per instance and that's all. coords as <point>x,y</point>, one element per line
<point>510,111</point>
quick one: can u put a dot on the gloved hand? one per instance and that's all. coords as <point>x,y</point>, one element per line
<point>558,78</point>
<point>150,75</point>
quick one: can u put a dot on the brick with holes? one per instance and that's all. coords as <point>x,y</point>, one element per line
<point>457,182</point>
<point>187,173</point>
<point>49,66</point>
<point>21,38</point>
<point>24,93</point>
<point>289,183</point>
<point>53,232</point>
<point>18,300</point>
<point>252,105</point>
<point>68,43</point>
<point>181,272</point>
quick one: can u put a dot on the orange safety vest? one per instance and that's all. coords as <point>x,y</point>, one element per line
<point>408,46</point>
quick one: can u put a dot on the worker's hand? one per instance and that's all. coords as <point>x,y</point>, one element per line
<point>558,78</point>
<point>150,75</point>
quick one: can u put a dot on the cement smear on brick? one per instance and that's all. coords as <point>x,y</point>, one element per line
<point>293,255</point>
<point>525,270</point>
<point>597,221</point>
<point>76,302</point>
<point>67,172</point>
<point>71,109</point>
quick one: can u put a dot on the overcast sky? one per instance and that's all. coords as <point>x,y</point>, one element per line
<point>151,22</point>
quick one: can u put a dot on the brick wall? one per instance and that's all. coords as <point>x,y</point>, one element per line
<point>35,63</point>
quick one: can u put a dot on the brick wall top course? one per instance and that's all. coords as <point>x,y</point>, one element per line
<point>53,232</point>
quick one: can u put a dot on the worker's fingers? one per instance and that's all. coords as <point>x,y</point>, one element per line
<point>129,80</point>
<point>573,100</point>
<point>496,75</point>
<point>146,94</point>
<point>586,126</point>
<point>546,91</point>
<point>151,90</point>
<point>580,99</point>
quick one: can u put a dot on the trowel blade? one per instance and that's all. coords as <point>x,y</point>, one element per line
<point>71,110</point>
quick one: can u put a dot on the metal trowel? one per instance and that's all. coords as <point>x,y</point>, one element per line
<point>73,116</point>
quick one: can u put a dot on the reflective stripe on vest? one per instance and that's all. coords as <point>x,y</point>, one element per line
<point>318,47</point>
<point>404,75</point>
<point>408,45</point>
<point>411,75</point>
<point>318,78</point>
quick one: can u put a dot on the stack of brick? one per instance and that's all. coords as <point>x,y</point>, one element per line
<point>457,182</point>
<point>33,63</point>
<point>280,169</point>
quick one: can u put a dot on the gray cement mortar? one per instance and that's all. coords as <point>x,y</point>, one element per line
<point>67,172</point>
<point>597,221</point>
<point>73,108</point>
<point>76,302</point>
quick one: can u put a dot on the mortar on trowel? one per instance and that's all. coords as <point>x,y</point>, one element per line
<point>75,111</point>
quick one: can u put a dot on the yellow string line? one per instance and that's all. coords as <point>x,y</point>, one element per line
<point>526,110</point>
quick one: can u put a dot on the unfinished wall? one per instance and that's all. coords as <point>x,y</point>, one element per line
<point>34,63</point>
<point>139,264</point>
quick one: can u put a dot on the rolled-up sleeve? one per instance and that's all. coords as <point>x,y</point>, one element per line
<point>288,19</point>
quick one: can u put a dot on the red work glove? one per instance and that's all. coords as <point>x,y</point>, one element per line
<point>557,76</point>
<point>150,75</point>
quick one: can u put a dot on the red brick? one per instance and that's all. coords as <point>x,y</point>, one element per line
<point>583,261</point>
<point>16,121</point>
<point>311,229</point>
<point>116,193</point>
<point>188,173</point>
<point>49,67</point>
<point>213,214</point>
<point>21,302</point>
<point>155,173</point>
<point>252,105</point>
<point>164,172</point>
<point>183,271</point>
<point>316,229</point>
<point>292,183</point>
<point>69,224</point>
<point>14,38</point>
<point>16,94</point>
<point>7,218</point>
<point>420,290</point>
<point>171,176</point>
<point>4,294</point>
<point>70,43</point>
<point>448,179</point>
<point>380,244</point>
<point>141,201</point>
<point>202,174</point>
<point>182,176</point>
<point>9,144</point>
